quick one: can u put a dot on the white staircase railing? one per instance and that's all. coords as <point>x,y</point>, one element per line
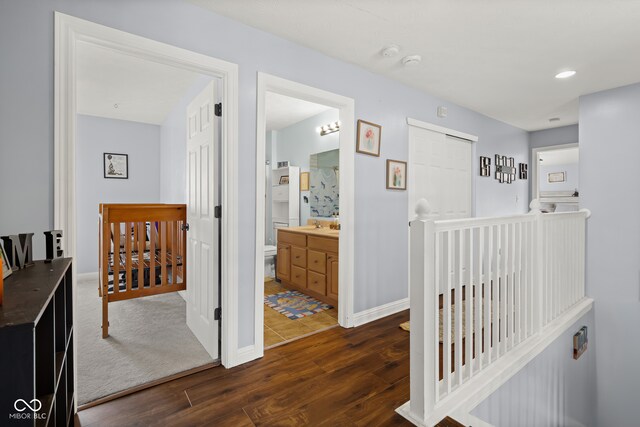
<point>481,287</point>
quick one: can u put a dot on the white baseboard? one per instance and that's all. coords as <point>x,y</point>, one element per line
<point>379,312</point>
<point>87,276</point>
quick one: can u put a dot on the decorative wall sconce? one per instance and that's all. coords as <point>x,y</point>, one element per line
<point>485,166</point>
<point>524,171</point>
<point>330,128</point>
<point>505,169</point>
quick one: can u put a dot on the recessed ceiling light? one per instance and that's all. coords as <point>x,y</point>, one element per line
<point>565,74</point>
<point>411,60</point>
<point>554,119</point>
<point>116,106</point>
<point>390,51</point>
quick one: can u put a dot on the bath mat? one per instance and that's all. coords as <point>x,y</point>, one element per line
<point>294,304</point>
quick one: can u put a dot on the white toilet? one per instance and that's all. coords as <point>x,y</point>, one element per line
<point>270,252</point>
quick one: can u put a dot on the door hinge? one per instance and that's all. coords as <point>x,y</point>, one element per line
<point>217,313</point>
<point>217,211</point>
<point>218,109</point>
<point>185,227</point>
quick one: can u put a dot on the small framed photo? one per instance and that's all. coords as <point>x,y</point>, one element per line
<point>284,179</point>
<point>304,181</point>
<point>116,166</point>
<point>6,268</point>
<point>555,177</point>
<point>396,175</point>
<point>368,138</point>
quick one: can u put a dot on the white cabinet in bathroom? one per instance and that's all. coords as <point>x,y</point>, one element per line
<point>285,197</point>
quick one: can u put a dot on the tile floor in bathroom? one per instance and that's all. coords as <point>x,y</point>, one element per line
<point>279,328</point>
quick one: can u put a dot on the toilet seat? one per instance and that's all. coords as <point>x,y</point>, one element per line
<point>270,250</point>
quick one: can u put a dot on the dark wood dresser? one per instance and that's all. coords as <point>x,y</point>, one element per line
<point>36,346</point>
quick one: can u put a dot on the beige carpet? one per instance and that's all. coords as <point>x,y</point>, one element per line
<point>148,340</point>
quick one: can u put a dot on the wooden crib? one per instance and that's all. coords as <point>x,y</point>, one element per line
<point>142,252</point>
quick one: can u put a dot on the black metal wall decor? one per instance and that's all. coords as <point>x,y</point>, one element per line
<point>505,169</point>
<point>485,166</point>
<point>524,171</point>
<point>19,248</point>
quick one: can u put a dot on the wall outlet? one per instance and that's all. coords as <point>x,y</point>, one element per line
<point>580,341</point>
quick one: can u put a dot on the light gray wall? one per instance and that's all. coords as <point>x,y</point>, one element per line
<point>609,132</point>
<point>97,135</point>
<point>173,147</point>
<point>556,136</point>
<point>26,84</point>
<point>551,390</point>
<point>571,177</point>
<point>299,141</point>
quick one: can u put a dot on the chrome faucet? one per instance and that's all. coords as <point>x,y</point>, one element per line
<point>317,224</point>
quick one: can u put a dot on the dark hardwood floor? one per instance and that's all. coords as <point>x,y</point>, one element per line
<point>340,377</point>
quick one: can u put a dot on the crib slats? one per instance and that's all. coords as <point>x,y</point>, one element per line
<point>127,249</point>
<point>116,256</point>
<point>152,251</point>
<point>174,249</point>
<point>163,251</point>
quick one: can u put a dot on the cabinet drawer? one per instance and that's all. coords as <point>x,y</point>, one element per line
<point>280,193</point>
<point>299,256</point>
<point>317,261</point>
<point>299,276</point>
<point>296,239</point>
<point>323,244</point>
<point>317,282</point>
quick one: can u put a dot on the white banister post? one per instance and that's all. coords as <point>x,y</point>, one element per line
<point>423,344</point>
<point>538,265</point>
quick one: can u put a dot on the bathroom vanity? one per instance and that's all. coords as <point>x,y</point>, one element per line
<point>308,261</point>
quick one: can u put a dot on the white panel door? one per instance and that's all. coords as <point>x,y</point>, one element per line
<point>202,254</point>
<point>440,170</point>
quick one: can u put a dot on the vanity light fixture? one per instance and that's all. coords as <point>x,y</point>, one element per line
<point>330,128</point>
<point>565,74</point>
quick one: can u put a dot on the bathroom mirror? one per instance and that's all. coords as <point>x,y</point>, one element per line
<point>324,194</point>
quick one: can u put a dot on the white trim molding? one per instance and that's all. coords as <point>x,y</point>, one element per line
<point>379,312</point>
<point>441,129</point>
<point>88,276</point>
<point>68,32</point>
<point>345,106</point>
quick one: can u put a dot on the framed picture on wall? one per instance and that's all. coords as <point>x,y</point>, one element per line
<point>284,179</point>
<point>555,177</point>
<point>304,181</point>
<point>368,138</point>
<point>116,166</point>
<point>396,175</point>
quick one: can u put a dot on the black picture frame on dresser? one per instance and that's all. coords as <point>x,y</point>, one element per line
<point>36,346</point>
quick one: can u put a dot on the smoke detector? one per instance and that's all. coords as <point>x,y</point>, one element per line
<point>390,51</point>
<point>411,60</point>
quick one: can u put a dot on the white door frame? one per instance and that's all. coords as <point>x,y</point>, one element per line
<point>70,30</point>
<point>535,164</point>
<point>267,82</point>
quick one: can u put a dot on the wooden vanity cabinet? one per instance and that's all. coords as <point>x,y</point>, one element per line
<point>309,263</point>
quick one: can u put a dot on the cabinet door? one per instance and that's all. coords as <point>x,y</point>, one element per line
<point>284,261</point>
<point>332,276</point>
<point>317,261</point>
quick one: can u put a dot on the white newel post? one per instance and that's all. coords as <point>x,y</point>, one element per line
<point>423,353</point>
<point>539,282</point>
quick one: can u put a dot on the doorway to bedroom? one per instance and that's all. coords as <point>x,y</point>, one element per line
<point>147,152</point>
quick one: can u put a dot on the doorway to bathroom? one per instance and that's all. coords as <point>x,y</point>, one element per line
<point>303,263</point>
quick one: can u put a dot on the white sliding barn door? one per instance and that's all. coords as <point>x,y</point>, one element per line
<point>202,238</point>
<point>440,170</point>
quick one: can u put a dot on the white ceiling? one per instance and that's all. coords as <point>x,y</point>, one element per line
<point>560,157</point>
<point>497,57</point>
<point>144,91</point>
<point>283,111</point>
